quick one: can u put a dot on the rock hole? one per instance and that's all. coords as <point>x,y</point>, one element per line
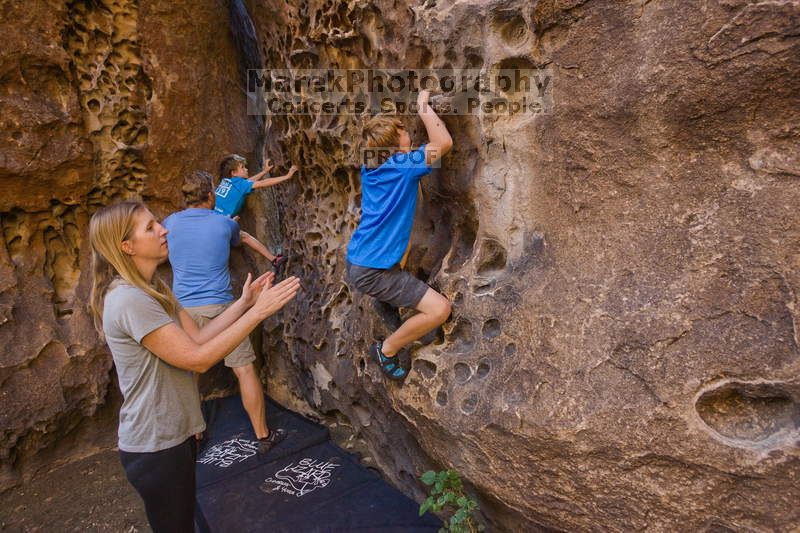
<point>93,105</point>
<point>510,349</point>
<point>511,27</point>
<point>483,286</point>
<point>463,372</point>
<point>469,404</point>
<point>425,367</point>
<point>749,412</point>
<point>441,398</point>
<point>492,256</point>
<point>474,61</point>
<point>491,329</point>
<point>516,77</point>
<point>362,365</point>
<point>461,336</point>
<point>483,369</point>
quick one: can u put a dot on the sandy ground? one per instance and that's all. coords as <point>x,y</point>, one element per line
<point>91,494</point>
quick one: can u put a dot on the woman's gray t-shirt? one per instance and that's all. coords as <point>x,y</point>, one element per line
<point>161,406</point>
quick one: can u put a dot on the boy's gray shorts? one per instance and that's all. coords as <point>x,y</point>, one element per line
<point>393,286</point>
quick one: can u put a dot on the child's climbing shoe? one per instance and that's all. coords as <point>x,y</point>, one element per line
<point>279,262</point>
<point>267,443</point>
<point>390,366</point>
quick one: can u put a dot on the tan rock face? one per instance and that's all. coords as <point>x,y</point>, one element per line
<point>99,102</point>
<point>623,349</point>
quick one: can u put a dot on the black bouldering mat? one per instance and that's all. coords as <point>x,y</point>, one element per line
<point>230,445</point>
<point>305,484</point>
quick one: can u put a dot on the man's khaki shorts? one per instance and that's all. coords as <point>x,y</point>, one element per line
<point>243,354</point>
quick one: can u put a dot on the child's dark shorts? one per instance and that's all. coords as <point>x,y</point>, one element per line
<point>393,286</point>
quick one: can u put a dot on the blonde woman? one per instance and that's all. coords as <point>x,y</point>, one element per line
<point>156,346</point>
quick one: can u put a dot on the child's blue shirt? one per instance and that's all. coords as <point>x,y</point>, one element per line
<point>199,243</point>
<point>230,195</point>
<point>388,202</point>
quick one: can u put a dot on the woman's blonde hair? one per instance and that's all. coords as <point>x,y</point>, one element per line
<point>108,228</point>
<point>381,132</point>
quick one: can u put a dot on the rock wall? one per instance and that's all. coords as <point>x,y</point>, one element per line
<point>100,101</point>
<point>623,350</point>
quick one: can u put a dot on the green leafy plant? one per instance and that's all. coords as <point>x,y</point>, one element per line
<point>447,494</point>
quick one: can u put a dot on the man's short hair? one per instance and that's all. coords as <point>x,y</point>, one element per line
<point>196,187</point>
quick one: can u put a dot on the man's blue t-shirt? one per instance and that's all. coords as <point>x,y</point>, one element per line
<point>388,202</point>
<point>200,243</point>
<point>230,195</point>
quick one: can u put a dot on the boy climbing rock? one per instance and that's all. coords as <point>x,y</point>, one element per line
<point>376,248</point>
<point>235,185</point>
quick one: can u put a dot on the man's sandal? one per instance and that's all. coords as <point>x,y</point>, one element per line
<point>391,366</point>
<point>267,443</point>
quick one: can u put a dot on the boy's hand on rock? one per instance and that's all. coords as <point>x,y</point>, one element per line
<point>273,299</point>
<point>294,169</point>
<point>268,166</point>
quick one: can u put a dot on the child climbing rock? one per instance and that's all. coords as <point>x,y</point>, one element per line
<point>235,185</point>
<point>375,251</point>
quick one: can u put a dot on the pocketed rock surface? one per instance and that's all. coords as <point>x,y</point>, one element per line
<point>624,267</point>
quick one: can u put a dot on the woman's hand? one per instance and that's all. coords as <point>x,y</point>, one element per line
<point>252,289</point>
<point>272,299</point>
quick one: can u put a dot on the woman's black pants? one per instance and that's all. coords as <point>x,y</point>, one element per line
<point>165,481</point>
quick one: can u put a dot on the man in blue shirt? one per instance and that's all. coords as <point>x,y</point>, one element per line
<point>200,242</point>
<point>377,247</point>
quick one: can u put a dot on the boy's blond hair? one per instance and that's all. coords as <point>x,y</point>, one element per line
<point>229,163</point>
<point>382,131</point>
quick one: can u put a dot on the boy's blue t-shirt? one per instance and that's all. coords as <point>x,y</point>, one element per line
<point>199,243</point>
<point>388,202</point>
<point>230,195</point>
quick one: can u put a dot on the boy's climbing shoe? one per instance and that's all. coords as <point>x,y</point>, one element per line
<point>390,366</point>
<point>278,263</point>
<point>266,444</point>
